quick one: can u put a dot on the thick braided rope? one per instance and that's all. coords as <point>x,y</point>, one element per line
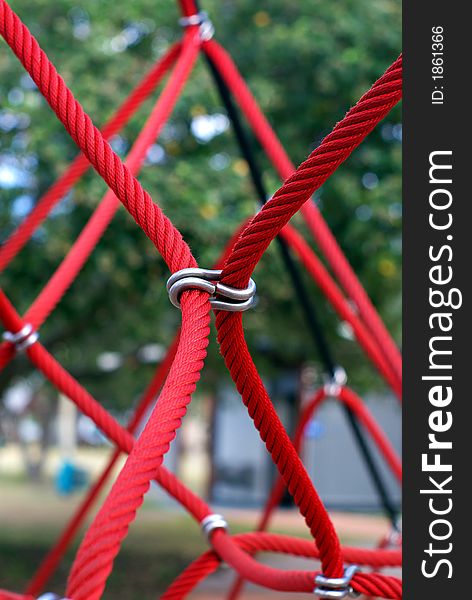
<point>54,556</point>
<point>92,232</point>
<point>348,397</point>
<point>63,381</point>
<point>267,422</point>
<point>76,257</point>
<point>313,217</point>
<point>87,404</point>
<point>243,382</point>
<point>312,173</point>
<point>267,223</point>
<point>76,521</point>
<point>290,581</point>
<point>102,542</point>
<point>365,417</point>
<point>184,496</point>
<point>15,242</point>
<point>270,542</point>
<point>107,163</point>
<point>189,358</point>
<point>208,562</point>
<point>200,312</point>
<point>278,488</point>
<point>170,244</point>
<point>52,559</point>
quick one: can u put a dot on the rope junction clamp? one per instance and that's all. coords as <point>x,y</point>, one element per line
<point>335,384</point>
<point>207,29</point>
<point>207,280</point>
<point>337,587</point>
<point>23,339</point>
<point>212,522</point>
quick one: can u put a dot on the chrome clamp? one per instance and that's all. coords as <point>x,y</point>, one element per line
<point>23,339</point>
<point>336,587</point>
<point>207,280</point>
<point>212,522</point>
<point>207,30</point>
<point>334,386</point>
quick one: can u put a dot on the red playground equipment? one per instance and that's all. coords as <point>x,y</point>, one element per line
<point>228,290</point>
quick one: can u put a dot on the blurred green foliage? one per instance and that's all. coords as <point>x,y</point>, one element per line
<point>307,62</point>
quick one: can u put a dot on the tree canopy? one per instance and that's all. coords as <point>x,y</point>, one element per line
<point>306,63</point>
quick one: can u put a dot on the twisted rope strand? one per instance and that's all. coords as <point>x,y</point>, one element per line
<point>312,173</point>
<point>313,217</point>
<point>15,242</point>
<point>102,541</point>
<point>266,224</point>
<point>250,543</point>
<point>88,138</point>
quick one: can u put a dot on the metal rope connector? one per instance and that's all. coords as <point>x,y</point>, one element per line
<point>337,587</point>
<point>212,522</point>
<point>23,339</point>
<point>335,384</point>
<point>207,280</point>
<point>207,30</point>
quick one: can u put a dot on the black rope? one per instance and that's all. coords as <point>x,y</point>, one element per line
<point>308,308</point>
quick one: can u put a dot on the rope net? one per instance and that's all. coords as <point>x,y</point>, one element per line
<point>175,378</point>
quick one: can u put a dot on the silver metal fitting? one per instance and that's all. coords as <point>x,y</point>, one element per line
<point>212,522</point>
<point>207,30</point>
<point>207,280</point>
<point>337,587</point>
<point>334,386</point>
<point>23,339</point>
<point>50,596</point>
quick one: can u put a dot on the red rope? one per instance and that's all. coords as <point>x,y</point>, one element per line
<point>65,383</point>
<point>4,595</point>
<point>348,397</point>
<point>102,541</point>
<point>365,417</point>
<point>250,543</point>
<point>88,138</point>
<point>310,212</point>
<point>51,561</point>
<point>195,306</point>
<point>187,7</point>
<point>268,222</point>
<point>92,232</point>
<point>80,165</point>
<point>312,173</point>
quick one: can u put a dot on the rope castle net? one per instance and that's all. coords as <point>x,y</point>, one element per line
<point>228,290</point>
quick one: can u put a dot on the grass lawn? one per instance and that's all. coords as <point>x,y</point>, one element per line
<point>161,543</point>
